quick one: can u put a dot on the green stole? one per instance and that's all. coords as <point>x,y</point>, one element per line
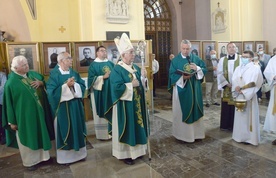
<point>227,96</point>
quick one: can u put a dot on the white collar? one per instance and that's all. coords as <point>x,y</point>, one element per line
<point>100,60</point>
<point>64,72</point>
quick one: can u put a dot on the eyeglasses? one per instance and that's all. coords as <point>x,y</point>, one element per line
<point>69,58</point>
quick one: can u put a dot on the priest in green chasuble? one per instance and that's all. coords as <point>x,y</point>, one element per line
<point>100,96</point>
<point>129,124</point>
<point>26,114</point>
<point>185,76</point>
<point>65,90</point>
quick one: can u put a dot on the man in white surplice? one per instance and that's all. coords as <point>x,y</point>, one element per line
<point>246,123</point>
<point>270,75</point>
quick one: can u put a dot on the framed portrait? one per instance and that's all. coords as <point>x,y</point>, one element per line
<point>85,53</point>
<point>113,54</point>
<point>110,35</point>
<point>222,49</point>
<point>196,48</point>
<point>207,46</point>
<point>138,54</point>
<point>50,52</point>
<point>259,44</point>
<point>239,47</point>
<point>29,50</point>
<point>249,45</point>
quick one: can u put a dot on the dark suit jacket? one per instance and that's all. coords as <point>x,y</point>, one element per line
<point>209,76</point>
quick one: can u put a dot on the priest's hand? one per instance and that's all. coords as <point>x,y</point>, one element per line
<point>238,89</point>
<point>229,85</point>
<point>106,75</point>
<point>135,83</point>
<point>71,82</point>
<point>186,76</point>
<point>193,66</point>
<point>37,83</point>
<point>14,127</point>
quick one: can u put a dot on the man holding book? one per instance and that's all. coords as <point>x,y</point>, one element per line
<point>185,76</point>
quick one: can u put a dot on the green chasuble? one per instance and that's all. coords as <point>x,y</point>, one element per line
<point>71,128</point>
<point>102,97</point>
<point>131,116</point>
<point>190,96</point>
<point>23,106</point>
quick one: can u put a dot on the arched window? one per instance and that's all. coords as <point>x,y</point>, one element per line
<point>158,29</point>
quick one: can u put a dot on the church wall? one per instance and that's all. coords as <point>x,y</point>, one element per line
<point>175,9</point>
<point>188,20</point>
<point>243,20</point>
<point>83,20</point>
<point>203,21</point>
<point>135,26</point>
<point>269,25</point>
<point>247,20</point>
<point>13,21</point>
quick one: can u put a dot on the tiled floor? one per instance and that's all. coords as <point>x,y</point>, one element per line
<point>215,156</point>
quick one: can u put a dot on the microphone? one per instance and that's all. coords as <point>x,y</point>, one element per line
<point>188,58</point>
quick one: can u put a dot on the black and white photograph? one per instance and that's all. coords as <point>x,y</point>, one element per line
<point>248,45</point>
<point>239,47</point>
<point>259,44</point>
<point>50,52</point>
<point>196,48</point>
<point>113,54</point>
<point>85,53</point>
<point>140,53</point>
<point>207,47</point>
<point>52,55</point>
<point>222,49</point>
<point>29,50</point>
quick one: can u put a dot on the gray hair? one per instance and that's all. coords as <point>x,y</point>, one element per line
<point>186,42</point>
<point>62,56</point>
<point>16,60</point>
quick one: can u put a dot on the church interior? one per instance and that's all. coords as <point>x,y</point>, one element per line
<point>42,27</point>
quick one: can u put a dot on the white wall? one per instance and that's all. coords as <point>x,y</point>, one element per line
<point>269,25</point>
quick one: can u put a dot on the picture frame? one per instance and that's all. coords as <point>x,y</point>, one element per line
<point>261,43</point>
<point>207,46</point>
<point>3,57</point>
<point>249,45</point>
<point>29,50</point>
<point>138,57</point>
<point>113,54</point>
<point>196,48</point>
<point>110,35</point>
<point>222,49</point>
<point>239,46</point>
<point>50,51</point>
<point>85,54</point>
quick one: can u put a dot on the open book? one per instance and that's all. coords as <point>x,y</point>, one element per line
<point>181,72</point>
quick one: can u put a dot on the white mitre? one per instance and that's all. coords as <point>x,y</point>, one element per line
<point>123,44</point>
